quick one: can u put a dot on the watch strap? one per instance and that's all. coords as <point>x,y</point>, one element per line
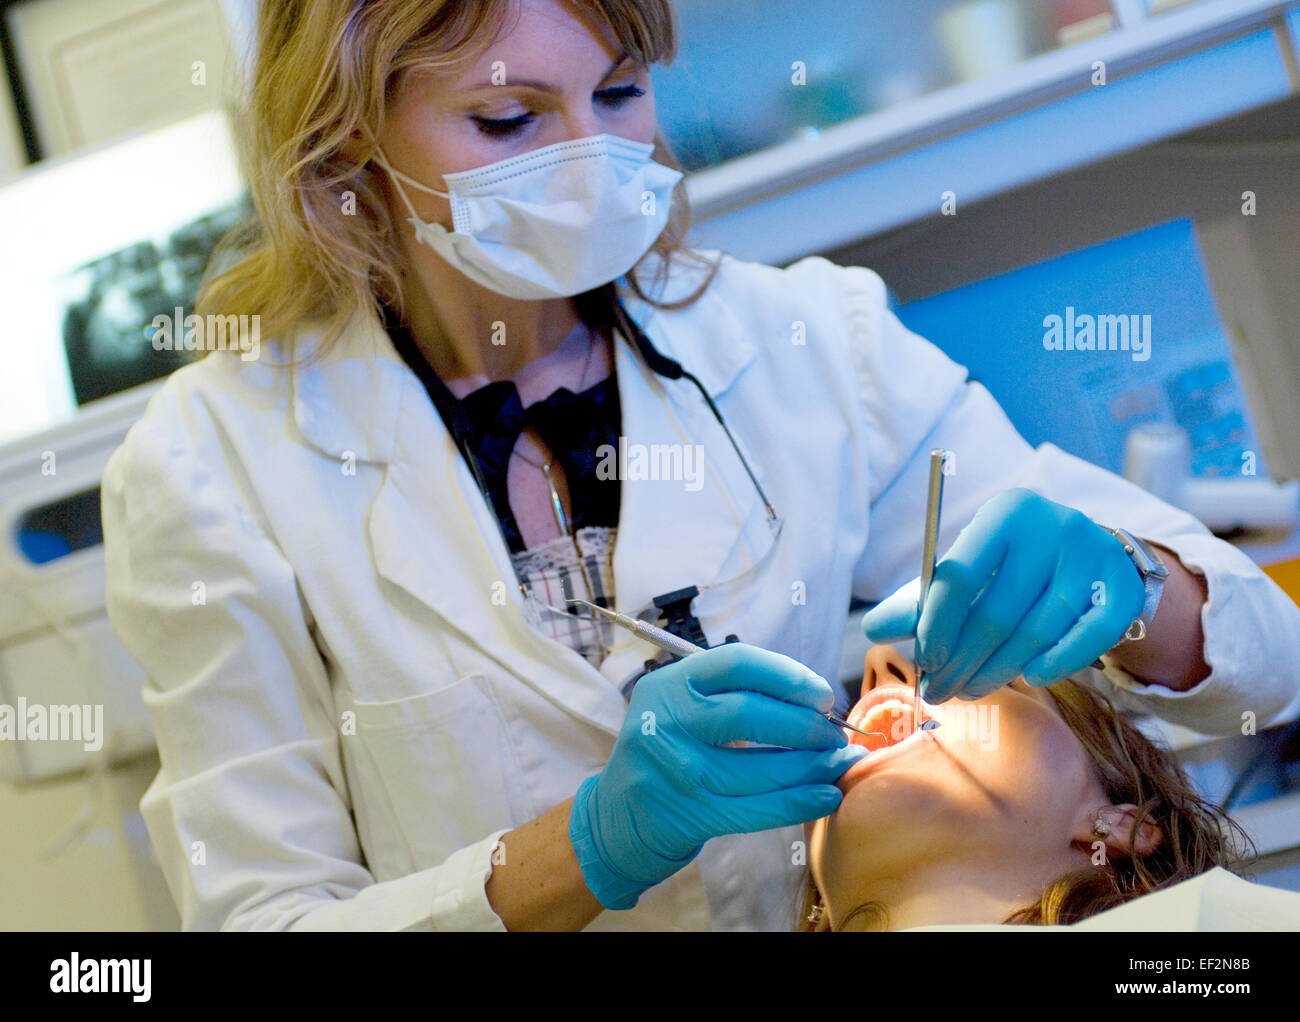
<point>1153,573</point>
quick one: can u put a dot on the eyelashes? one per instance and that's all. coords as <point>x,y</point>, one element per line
<point>613,99</point>
<point>616,97</point>
<point>499,128</point>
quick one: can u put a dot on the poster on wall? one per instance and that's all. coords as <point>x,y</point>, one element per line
<point>109,303</point>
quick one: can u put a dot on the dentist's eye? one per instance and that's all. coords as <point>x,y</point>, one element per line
<point>498,129</point>
<point>616,97</point>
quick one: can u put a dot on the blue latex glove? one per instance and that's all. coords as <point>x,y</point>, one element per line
<point>1029,588</point>
<point>669,784</point>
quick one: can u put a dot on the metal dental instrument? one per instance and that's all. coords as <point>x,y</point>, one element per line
<point>835,718</point>
<point>652,634</point>
<point>666,640</point>
<point>932,506</point>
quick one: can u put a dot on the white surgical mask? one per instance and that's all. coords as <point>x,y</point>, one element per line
<point>554,222</point>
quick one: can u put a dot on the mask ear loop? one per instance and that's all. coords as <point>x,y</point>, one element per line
<point>383,161</point>
<point>398,178</point>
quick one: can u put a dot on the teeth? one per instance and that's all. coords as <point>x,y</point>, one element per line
<point>891,707</point>
<point>890,718</point>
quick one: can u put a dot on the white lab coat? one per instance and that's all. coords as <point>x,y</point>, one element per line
<point>349,702</point>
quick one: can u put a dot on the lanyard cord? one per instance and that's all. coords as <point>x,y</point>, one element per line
<point>771,511</point>
<point>672,370</point>
<point>456,419</point>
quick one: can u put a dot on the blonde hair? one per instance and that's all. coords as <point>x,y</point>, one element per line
<point>325,71</point>
<point>1196,835</point>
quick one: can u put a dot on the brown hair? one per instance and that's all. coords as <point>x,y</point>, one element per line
<point>1196,835</point>
<point>324,72</point>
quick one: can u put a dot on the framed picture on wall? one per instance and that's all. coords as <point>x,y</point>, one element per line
<point>87,72</point>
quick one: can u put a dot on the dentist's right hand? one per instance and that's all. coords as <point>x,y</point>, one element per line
<point>670,784</point>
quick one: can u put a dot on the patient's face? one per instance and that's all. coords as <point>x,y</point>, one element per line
<point>1003,780</point>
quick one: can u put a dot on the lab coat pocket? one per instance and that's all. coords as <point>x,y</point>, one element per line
<point>446,763</point>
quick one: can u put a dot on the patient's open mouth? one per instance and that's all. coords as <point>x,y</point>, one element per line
<point>886,710</point>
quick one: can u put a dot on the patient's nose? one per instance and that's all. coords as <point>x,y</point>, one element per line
<point>885,665</point>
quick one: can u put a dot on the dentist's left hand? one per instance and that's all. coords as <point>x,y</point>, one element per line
<point>672,782</point>
<point>1029,587</point>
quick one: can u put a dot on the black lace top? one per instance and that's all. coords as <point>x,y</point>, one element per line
<point>574,426</point>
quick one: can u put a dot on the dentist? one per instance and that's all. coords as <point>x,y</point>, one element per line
<point>345,567</point>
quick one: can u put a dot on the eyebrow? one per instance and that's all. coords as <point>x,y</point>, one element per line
<point>528,83</point>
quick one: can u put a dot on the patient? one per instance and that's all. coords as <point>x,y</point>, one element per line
<point>1031,805</point>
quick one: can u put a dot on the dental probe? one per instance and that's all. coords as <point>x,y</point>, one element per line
<point>666,640</point>
<point>932,505</point>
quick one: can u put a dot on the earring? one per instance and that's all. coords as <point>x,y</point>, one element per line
<point>1101,827</point>
<point>816,915</point>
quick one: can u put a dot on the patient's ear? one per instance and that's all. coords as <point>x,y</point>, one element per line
<point>1123,840</point>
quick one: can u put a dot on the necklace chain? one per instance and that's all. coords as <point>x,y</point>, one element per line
<point>546,468</point>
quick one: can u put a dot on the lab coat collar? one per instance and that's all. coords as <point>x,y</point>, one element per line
<point>345,405</point>
<point>715,358</point>
<point>363,401</point>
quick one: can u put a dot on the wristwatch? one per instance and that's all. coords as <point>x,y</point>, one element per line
<point>1153,572</point>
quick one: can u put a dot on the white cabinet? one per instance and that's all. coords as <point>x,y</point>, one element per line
<point>890,118</point>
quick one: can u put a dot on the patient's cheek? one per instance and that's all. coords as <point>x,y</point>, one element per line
<point>1059,753</point>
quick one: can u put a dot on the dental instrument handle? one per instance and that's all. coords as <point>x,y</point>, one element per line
<point>928,551</point>
<point>652,634</point>
<point>666,640</point>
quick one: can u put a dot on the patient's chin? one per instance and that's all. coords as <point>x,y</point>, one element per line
<point>910,756</point>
